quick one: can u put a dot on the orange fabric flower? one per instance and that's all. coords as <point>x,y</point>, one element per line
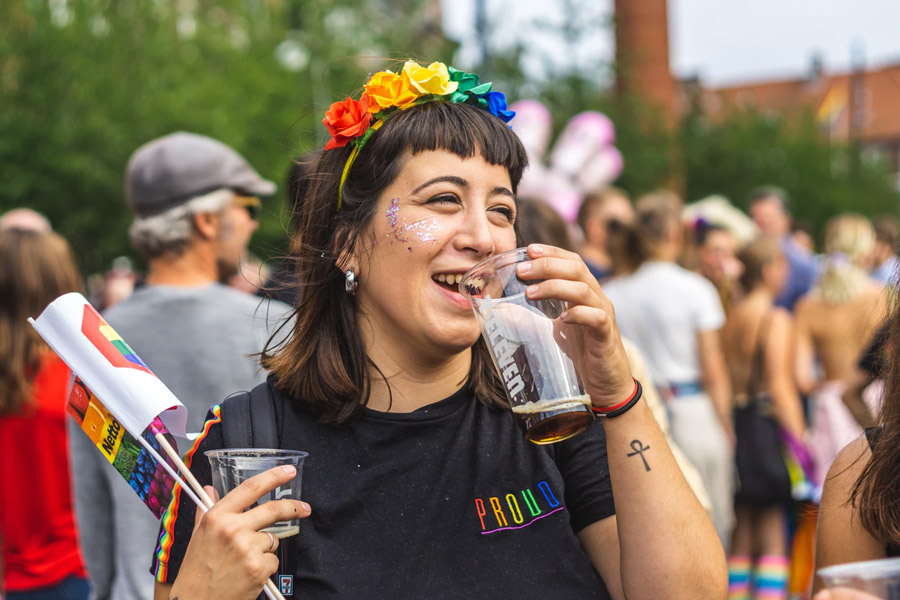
<point>387,89</point>
<point>347,120</point>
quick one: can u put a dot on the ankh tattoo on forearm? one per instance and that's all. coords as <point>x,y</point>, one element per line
<point>639,449</point>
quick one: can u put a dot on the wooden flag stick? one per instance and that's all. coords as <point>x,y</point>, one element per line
<point>185,472</point>
<point>271,591</point>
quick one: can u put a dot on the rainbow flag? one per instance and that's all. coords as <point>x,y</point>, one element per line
<point>136,405</point>
<point>108,342</point>
<point>833,108</point>
<point>799,463</point>
<point>108,366</point>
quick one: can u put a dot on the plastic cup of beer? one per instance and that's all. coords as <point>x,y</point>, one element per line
<point>527,341</point>
<point>232,467</point>
<point>880,578</point>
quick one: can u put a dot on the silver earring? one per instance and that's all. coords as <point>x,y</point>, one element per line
<point>350,282</point>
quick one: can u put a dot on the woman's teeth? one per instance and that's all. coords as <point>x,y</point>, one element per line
<point>474,285</point>
<point>448,278</point>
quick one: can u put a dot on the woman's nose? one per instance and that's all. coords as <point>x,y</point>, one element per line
<point>476,234</point>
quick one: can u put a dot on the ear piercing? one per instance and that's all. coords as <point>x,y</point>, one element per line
<point>350,282</point>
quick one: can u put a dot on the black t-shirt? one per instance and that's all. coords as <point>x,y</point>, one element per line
<point>448,501</point>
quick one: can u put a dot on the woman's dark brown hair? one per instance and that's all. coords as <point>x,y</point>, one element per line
<point>755,256</point>
<point>876,494</point>
<point>323,365</point>
<point>35,268</point>
<point>539,223</point>
<point>633,245</point>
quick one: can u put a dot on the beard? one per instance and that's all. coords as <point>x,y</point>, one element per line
<point>226,269</point>
<point>227,266</point>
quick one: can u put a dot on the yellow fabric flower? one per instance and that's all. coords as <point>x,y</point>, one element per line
<point>387,89</point>
<point>433,79</point>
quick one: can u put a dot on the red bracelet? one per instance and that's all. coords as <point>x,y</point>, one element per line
<point>609,409</point>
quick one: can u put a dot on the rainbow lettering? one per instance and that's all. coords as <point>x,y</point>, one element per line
<point>108,342</point>
<point>493,510</point>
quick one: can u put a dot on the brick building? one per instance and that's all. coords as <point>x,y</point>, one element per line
<point>862,106</point>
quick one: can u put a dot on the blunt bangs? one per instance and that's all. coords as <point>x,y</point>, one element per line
<point>464,130</point>
<point>323,366</point>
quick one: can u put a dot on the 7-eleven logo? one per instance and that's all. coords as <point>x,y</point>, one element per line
<point>286,584</point>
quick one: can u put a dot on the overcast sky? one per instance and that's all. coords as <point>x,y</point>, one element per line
<point>724,41</point>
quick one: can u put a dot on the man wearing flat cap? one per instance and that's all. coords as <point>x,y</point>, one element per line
<point>195,202</point>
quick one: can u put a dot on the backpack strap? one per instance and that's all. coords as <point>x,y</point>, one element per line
<point>248,419</point>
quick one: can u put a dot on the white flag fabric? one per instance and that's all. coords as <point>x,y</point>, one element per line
<point>108,366</point>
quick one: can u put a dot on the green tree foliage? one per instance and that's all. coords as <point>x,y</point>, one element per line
<point>729,154</point>
<point>84,82</point>
<point>747,148</point>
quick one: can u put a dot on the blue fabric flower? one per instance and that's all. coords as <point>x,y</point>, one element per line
<point>497,106</point>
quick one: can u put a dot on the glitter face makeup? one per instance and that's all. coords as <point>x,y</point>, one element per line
<point>392,213</point>
<point>423,230</point>
<point>428,227</point>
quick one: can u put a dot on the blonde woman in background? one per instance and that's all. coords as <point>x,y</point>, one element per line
<point>835,321</point>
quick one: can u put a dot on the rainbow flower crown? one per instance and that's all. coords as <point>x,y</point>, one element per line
<point>386,93</point>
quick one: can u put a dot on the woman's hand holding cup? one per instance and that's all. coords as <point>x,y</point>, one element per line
<point>227,539</point>
<point>589,333</point>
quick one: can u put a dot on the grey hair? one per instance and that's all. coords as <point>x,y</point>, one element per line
<point>169,232</point>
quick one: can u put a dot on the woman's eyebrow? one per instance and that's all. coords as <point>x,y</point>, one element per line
<point>499,190</point>
<point>444,178</point>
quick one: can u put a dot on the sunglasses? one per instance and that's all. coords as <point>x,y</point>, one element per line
<point>251,204</point>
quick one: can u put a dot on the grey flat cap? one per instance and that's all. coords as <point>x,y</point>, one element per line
<point>175,168</point>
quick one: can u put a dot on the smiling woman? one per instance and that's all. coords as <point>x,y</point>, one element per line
<point>435,171</point>
<point>420,483</point>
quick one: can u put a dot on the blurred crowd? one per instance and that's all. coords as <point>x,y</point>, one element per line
<point>763,353</point>
<point>769,355</point>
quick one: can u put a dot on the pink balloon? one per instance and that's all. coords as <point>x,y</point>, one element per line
<point>562,195</point>
<point>601,169</point>
<point>584,135</point>
<point>533,125</point>
<point>534,181</point>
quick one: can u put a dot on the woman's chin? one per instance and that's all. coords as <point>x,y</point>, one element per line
<point>455,342</point>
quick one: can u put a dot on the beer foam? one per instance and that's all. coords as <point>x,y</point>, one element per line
<point>541,406</point>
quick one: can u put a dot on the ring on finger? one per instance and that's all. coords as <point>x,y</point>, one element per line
<point>271,541</point>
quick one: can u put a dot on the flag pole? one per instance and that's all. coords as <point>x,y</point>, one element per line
<point>195,485</point>
<point>271,590</point>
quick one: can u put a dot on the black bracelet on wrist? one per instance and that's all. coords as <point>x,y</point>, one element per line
<point>638,392</point>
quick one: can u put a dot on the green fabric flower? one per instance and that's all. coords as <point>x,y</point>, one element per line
<point>469,88</point>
